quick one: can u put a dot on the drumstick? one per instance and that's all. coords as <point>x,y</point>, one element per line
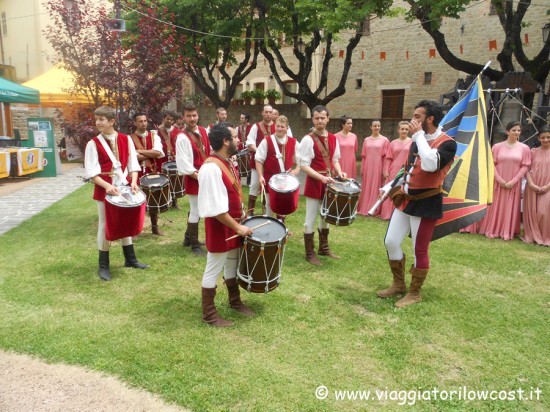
<point>252,228</point>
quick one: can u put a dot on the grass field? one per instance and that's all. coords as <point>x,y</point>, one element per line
<point>483,324</point>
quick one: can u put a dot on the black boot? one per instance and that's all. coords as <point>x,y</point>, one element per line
<point>104,273</point>
<point>130,258</point>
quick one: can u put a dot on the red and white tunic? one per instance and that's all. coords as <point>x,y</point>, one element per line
<point>189,158</point>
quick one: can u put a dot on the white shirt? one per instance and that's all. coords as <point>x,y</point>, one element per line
<point>306,154</point>
<point>213,198</point>
<point>184,154</point>
<point>91,158</point>
<point>261,151</point>
<point>253,134</point>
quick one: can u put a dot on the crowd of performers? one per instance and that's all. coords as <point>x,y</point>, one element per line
<point>206,163</point>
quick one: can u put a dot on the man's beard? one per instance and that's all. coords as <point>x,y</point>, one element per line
<point>232,149</point>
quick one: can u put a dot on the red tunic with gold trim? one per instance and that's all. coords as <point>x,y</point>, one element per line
<point>217,232</point>
<point>106,164</point>
<point>167,149</point>
<point>271,164</point>
<point>242,133</point>
<point>315,188</point>
<point>259,137</point>
<point>147,144</point>
<point>192,185</point>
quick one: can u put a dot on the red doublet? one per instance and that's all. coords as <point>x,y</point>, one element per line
<point>314,188</point>
<point>192,185</point>
<point>259,137</point>
<point>242,133</point>
<point>163,134</point>
<point>217,232</point>
<point>420,179</point>
<point>106,164</point>
<point>271,164</point>
<point>147,146</point>
<point>173,136</point>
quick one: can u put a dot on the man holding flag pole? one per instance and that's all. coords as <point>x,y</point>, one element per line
<point>433,195</point>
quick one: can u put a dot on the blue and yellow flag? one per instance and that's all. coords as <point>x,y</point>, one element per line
<point>468,188</point>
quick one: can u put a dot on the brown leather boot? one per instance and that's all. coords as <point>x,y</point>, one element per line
<point>175,203</point>
<point>235,301</point>
<point>193,230</point>
<point>324,249</point>
<point>251,205</point>
<point>186,241</point>
<point>311,257</point>
<point>418,277</point>
<point>398,286</point>
<point>104,273</point>
<point>154,224</point>
<point>210,314</point>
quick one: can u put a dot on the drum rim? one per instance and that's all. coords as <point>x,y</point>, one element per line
<point>286,190</point>
<point>258,242</point>
<point>154,174</point>
<point>125,205</point>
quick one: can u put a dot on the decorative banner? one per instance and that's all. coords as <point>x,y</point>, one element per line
<point>382,56</point>
<point>4,164</point>
<point>363,55</point>
<point>461,49</point>
<point>407,55</point>
<point>341,54</point>
<point>432,53</point>
<point>29,161</point>
<point>492,45</point>
<point>526,38</point>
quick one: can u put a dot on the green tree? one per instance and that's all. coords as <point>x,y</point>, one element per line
<point>308,26</point>
<point>511,15</point>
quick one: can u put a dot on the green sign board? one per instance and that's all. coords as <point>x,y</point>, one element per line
<point>41,136</point>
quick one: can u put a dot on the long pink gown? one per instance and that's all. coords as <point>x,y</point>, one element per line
<point>373,164</point>
<point>348,148</point>
<point>503,216</point>
<point>396,158</point>
<point>536,207</point>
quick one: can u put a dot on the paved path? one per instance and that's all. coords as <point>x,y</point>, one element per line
<point>36,195</point>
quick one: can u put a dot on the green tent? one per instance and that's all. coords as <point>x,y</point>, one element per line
<point>15,93</point>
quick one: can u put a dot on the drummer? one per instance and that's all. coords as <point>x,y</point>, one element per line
<point>221,204</point>
<point>148,148</point>
<point>274,116</point>
<point>167,133</point>
<point>192,149</point>
<point>319,153</point>
<point>243,129</point>
<point>276,154</point>
<point>109,158</point>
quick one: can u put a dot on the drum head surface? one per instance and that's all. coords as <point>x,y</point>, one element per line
<point>349,186</point>
<point>170,166</point>
<point>284,182</point>
<point>243,152</point>
<point>154,180</point>
<point>271,232</point>
<point>126,198</point>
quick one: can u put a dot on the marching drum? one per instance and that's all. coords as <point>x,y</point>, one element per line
<point>339,205</point>
<point>284,191</point>
<point>157,191</point>
<point>177,188</point>
<point>261,255</point>
<point>124,214</point>
<point>243,163</point>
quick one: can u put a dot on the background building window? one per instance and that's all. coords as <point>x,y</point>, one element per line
<point>366,26</point>
<point>358,83</point>
<point>293,87</point>
<point>392,103</point>
<point>427,77</point>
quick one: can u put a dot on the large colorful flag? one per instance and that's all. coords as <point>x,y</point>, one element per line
<point>468,188</point>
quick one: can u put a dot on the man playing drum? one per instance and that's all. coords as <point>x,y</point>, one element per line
<point>257,133</point>
<point>319,153</point>
<point>221,204</point>
<point>167,133</point>
<point>148,148</point>
<point>109,158</point>
<point>430,158</point>
<point>276,154</point>
<point>192,149</point>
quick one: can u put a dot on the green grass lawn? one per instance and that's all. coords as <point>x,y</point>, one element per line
<point>483,323</point>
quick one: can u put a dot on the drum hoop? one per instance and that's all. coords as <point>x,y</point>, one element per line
<point>124,205</point>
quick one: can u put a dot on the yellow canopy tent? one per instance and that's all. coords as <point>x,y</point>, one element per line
<point>53,86</point>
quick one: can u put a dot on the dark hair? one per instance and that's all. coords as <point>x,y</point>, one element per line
<point>344,119</point>
<point>168,113</point>
<point>375,120</point>
<point>137,114</point>
<point>511,124</point>
<point>218,133</point>
<point>189,107</point>
<point>319,109</point>
<point>246,116</point>
<point>544,129</point>
<point>432,109</point>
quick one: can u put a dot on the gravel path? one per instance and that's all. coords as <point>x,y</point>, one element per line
<point>28,384</point>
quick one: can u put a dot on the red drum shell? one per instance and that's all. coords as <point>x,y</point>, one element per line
<point>243,163</point>
<point>284,193</point>
<point>123,220</point>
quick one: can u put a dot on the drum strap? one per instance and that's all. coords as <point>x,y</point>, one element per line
<point>197,139</point>
<point>324,150</point>
<point>280,157</point>
<point>113,157</point>
<point>230,173</point>
<point>167,140</point>
<point>143,146</point>
<point>263,128</point>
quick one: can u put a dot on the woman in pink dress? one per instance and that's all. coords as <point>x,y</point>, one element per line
<point>374,168</point>
<point>348,147</point>
<point>512,160</point>
<point>536,200</point>
<point>396,159</point>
